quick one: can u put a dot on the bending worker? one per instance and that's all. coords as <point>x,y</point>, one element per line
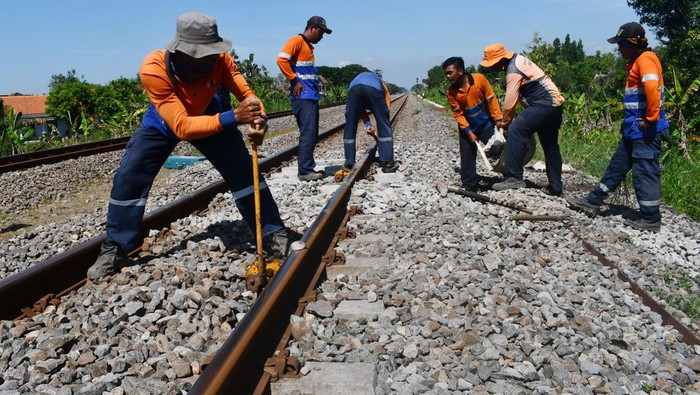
<point>542,114</point>
<point>476,110</point>
<point>368,92</point>
<point>181,82</point>
<point>644,127</point>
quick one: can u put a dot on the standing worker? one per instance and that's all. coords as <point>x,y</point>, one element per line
<point>542,113</point>
<point>297,63</point>
<point>368,92</point>
<point>476,110</point>
<point>643,128</point>
<point>181,82</point>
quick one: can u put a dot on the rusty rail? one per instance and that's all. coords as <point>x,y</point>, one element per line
<point>23,294</point>
<point>239,365</point>
<point>687,335</point>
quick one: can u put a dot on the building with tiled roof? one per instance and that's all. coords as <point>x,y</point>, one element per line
<point>27,105</point>
<point>33,109</point>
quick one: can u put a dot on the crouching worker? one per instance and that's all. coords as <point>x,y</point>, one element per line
<point>477,112</point>
<point>181,82</point>
<point>644,127</point>
<point>368,92</point>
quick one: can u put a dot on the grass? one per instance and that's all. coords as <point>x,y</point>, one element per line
<point>688,300</point>
<point>679,186</point>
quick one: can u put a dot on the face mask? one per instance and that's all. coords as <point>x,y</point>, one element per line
<point>190,70</point>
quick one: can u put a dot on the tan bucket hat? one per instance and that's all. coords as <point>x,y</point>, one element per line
<point>197,36</point>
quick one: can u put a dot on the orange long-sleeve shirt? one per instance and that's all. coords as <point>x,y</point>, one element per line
<point>181,106</point>
<point>645,72</point>
<point>644,96</point>
<point>297,62</point>
<point>474,105</point>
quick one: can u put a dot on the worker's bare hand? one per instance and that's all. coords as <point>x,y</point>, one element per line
<point>472,137</point>
<point>371,131</point>
<point>256,131</point>
<point>298,88</point>
<point>248,110</point>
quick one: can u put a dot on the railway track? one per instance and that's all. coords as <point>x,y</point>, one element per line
<point>30,291</point>
<point>468,300</point>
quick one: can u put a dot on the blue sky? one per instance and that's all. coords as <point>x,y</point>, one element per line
<point>105,40</point>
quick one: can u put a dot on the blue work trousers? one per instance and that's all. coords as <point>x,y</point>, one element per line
<point>545,121</point>
<point>145,154</point>
<point>642,157</point>
<point>467,157</point>
<point>306,113</point>
<point>360,99</point>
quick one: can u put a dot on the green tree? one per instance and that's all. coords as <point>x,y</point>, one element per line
<point>341,76</point>
<point>120,105</point>
<point>272,91</point>
<point>436,78</point>
<point>672,19</point>
<point>59,79</point>
<point>677,107</point>
<point>91,107</point>
<point>69,100</point>
<point>253,73</point>
<point>394,89</point>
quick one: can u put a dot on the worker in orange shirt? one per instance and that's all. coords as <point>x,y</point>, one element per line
<point>477,112</point>
<point>182,82</point>
<point>297,63</point>
<point>643,128</point>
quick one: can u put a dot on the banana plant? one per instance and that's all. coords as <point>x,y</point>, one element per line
<point>14,132</point>
<point>674,101</point>
<point>86,124</point>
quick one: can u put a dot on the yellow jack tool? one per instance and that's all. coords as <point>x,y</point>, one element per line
<point>259,273</point>
<point>340,175</point>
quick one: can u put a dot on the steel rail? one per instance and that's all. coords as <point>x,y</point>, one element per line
<point>65,271</point>
<point>688,336</point>
<point>238,366</point>
<point>55,155</point>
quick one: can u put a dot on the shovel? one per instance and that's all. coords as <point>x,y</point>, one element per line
<point>480,147</point>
